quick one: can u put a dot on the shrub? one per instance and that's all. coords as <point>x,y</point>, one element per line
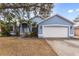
<point>33,34</point>
<point>5,31</point>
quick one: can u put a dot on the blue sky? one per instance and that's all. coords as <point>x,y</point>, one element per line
<point>68,10</point>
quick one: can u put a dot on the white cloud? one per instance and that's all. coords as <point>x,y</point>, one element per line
<point>73,10</point>
<point>70,11</point>
<point>77,10</point>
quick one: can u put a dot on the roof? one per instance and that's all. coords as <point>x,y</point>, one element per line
<point>76,24</point>
<point>76,19</point>
<point>60,17</point>
<point>37,19</point>
<point>37,16</point>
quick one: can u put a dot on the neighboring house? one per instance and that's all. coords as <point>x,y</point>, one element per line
<point>76,27</point>
<point>56,27</point>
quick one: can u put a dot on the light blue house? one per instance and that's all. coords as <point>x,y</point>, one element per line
<point>53,27</point>
<point>56,27</point>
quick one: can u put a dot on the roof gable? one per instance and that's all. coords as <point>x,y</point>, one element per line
<point>65,19</point>
<point>57,19</point>
<point>37,19</point>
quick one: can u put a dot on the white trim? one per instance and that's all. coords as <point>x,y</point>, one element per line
<point>40,35</point>
<point>55,25</point>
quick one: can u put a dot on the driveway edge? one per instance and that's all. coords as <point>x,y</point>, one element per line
<point>52,48</point>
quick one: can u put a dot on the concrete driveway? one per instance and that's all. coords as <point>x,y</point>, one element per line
<point>65,47</point>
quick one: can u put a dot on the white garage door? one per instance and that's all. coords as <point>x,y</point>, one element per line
<point>51,31</point>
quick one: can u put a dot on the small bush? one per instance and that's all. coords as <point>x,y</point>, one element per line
<point>5,31</point>
<point>33,34</point>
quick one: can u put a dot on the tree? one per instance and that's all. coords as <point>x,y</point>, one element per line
<point>14,13</point>
<point>38,8</point>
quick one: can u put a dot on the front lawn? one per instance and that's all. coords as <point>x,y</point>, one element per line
<point>24,46</point>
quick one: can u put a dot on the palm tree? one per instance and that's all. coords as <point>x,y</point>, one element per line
<point>4,28</point>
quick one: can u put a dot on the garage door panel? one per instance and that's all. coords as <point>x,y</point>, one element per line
<point>55,31</point>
